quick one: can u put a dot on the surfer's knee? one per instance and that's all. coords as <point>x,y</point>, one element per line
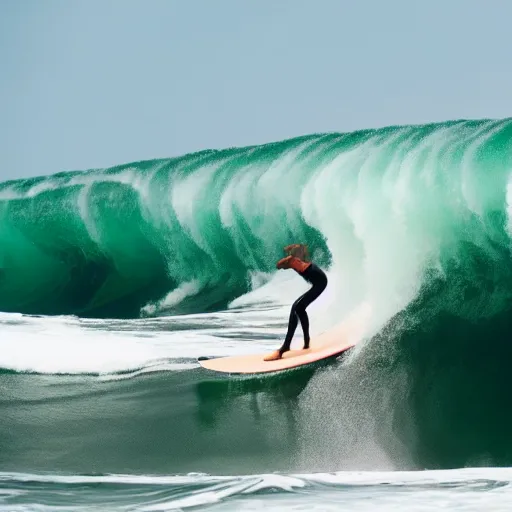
<point>299,308</point>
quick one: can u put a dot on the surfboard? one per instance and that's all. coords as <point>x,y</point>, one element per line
<point>329,344</point>
<point>254,363</point>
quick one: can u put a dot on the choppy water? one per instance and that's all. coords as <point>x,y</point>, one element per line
<point>464,490</point>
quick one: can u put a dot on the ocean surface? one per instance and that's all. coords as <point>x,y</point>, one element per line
<point>114,281</point>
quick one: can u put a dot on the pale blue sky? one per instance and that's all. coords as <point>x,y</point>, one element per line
<point>94,83</point>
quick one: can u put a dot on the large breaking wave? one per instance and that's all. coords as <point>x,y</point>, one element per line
<point>384,209</point>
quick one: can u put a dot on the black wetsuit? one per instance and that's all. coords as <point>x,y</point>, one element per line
<point>318,279</point>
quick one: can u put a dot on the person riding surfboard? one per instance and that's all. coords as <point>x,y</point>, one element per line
<point>298,259</point>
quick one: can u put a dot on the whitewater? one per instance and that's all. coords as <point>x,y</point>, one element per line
<point>114,281</point>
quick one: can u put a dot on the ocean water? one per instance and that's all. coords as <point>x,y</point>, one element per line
<point>114,281</point>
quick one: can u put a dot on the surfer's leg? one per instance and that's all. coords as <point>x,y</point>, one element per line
<point>312,294</point>
<point>292,325</point>
<point>300,309</point>
<point>304,322</point>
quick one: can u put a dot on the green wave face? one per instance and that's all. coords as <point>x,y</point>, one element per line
<point>384,209</point>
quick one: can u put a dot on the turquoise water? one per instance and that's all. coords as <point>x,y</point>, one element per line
<point>113,282</point>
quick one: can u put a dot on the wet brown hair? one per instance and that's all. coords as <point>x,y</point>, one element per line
<point>300,251</point>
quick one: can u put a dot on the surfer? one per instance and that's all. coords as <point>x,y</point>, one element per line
<point>298,259</point>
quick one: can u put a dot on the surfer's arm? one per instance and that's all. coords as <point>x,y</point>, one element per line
<point>284,262</point>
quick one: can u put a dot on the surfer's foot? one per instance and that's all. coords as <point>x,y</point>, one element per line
<point>306,346</point>
<point>278,354</point>
<point>274,356</point>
